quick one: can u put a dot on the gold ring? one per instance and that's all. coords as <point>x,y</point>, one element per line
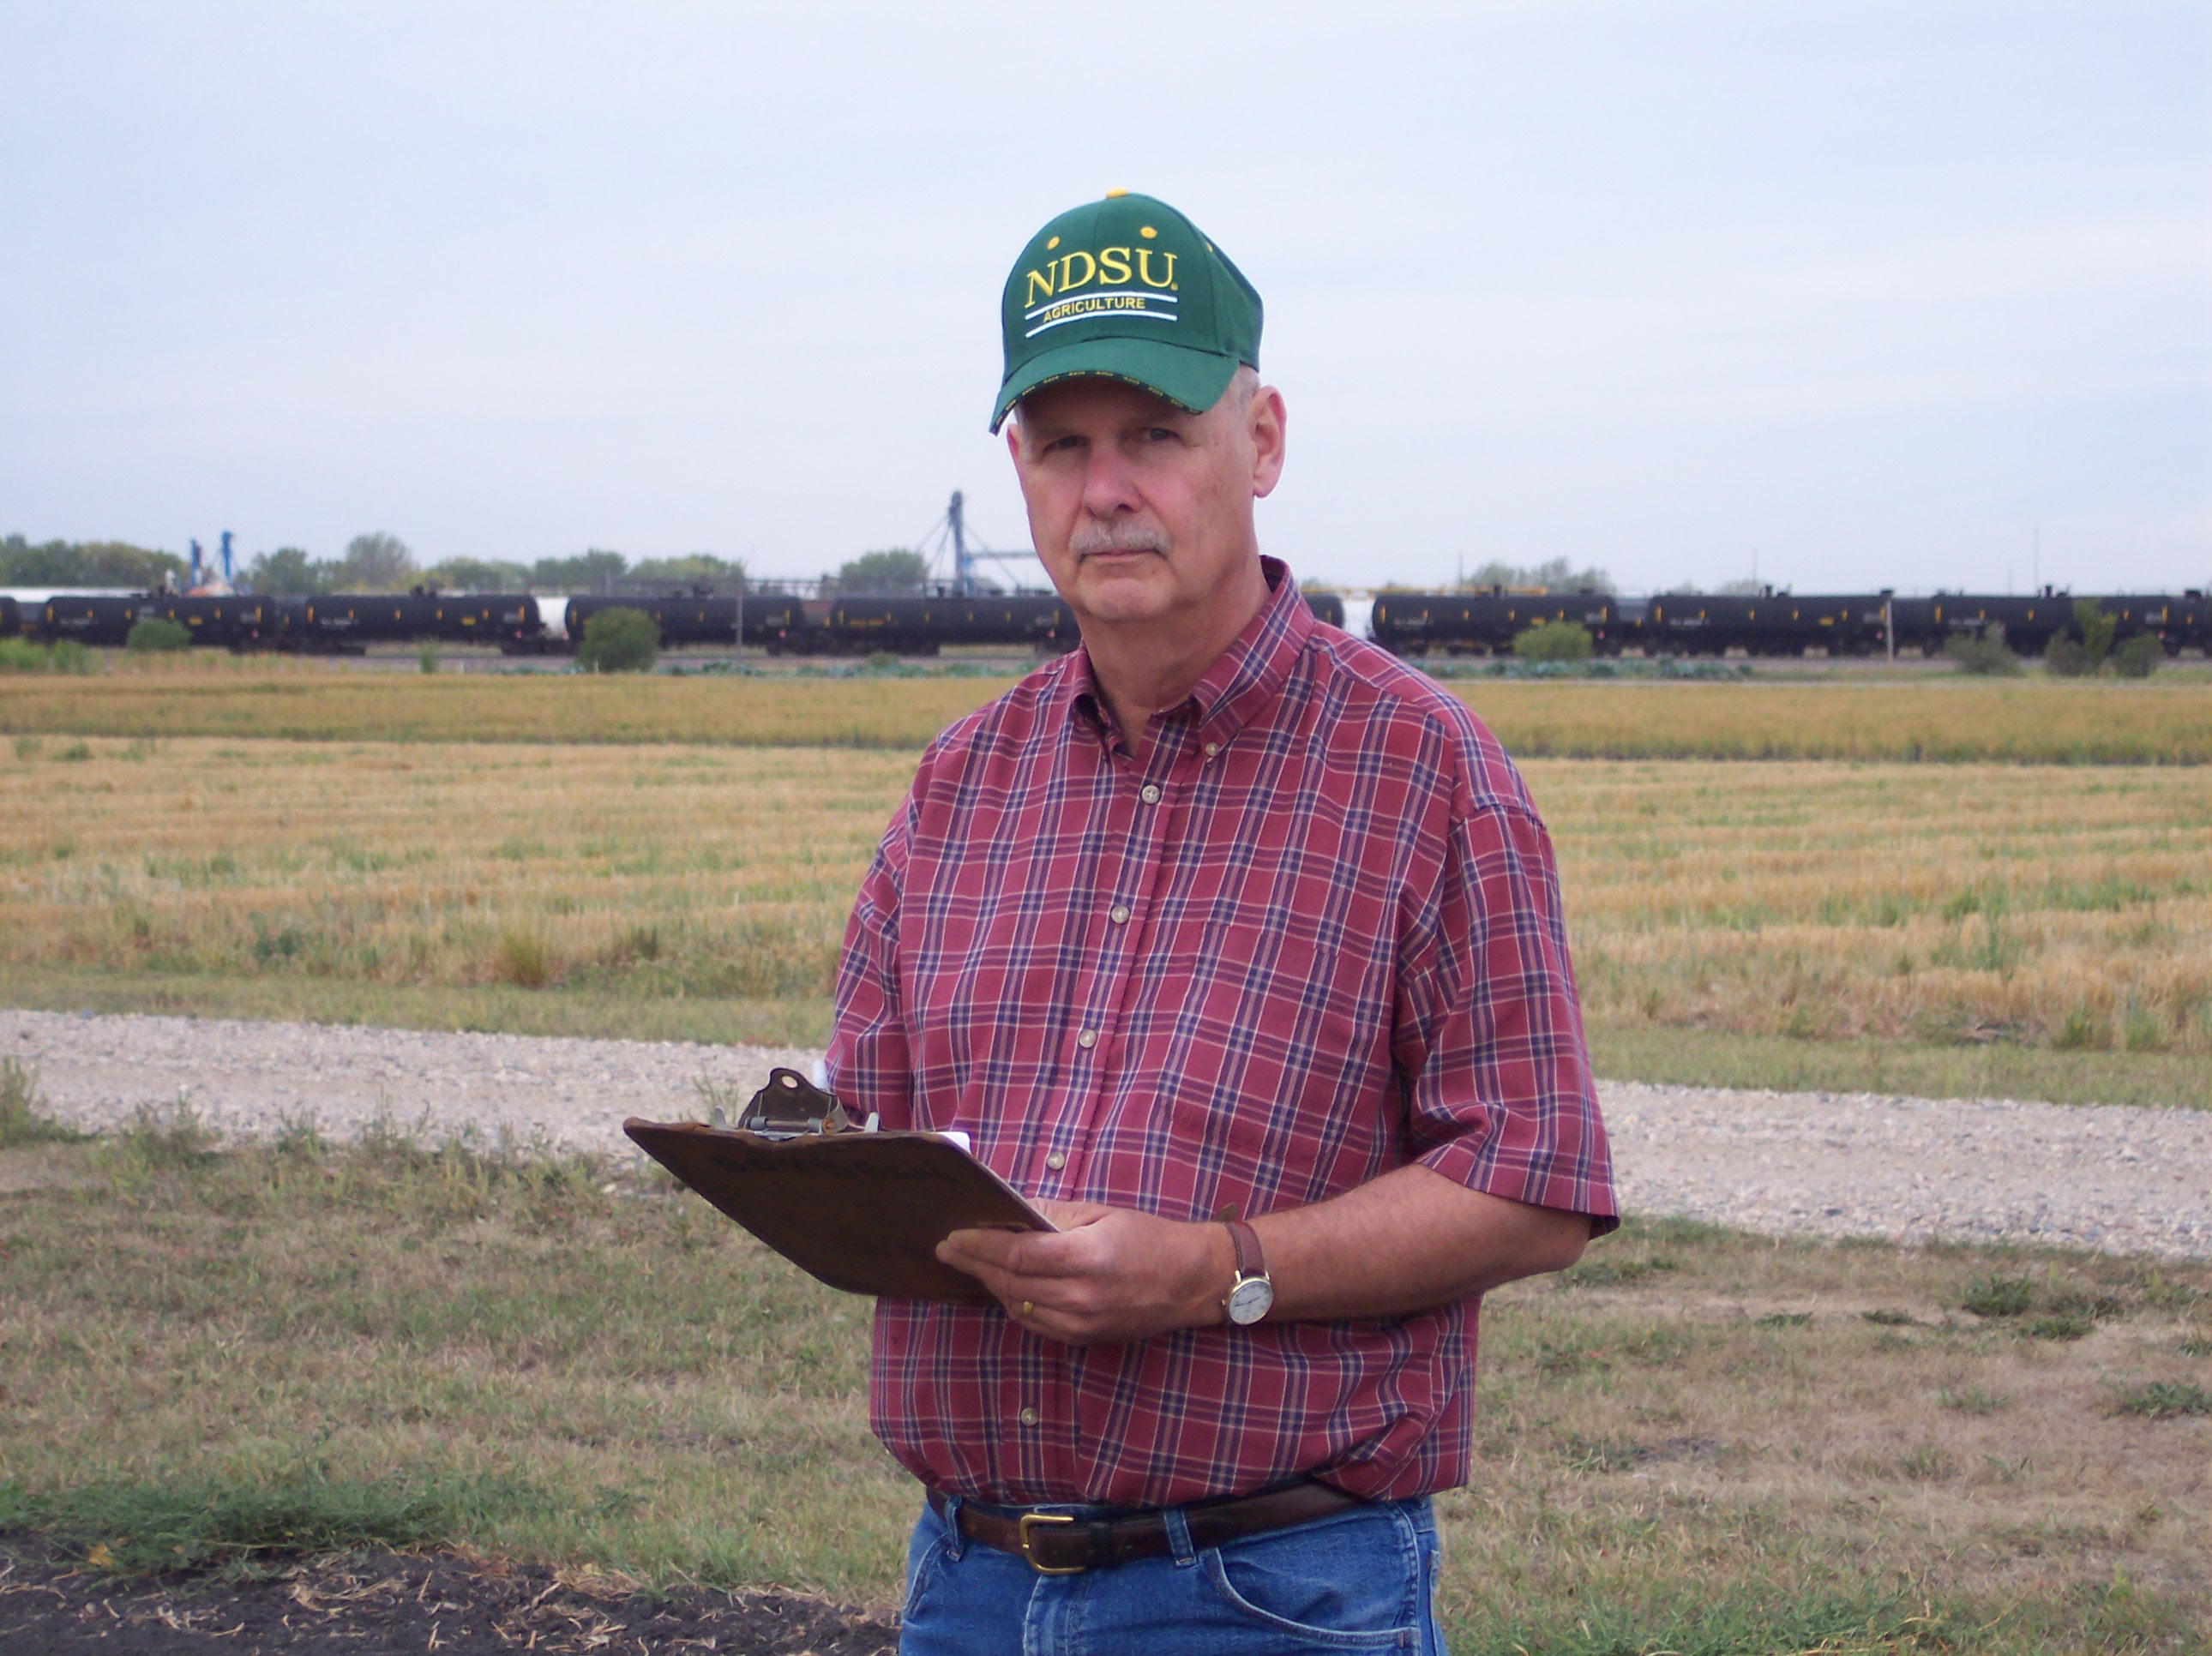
<point>1028,1306</point>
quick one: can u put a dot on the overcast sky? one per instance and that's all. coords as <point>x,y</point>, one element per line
<point>1872,292</point>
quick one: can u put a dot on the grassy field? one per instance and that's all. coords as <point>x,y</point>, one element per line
<point>1698,1442</point>
<point>1968,929</point>
<point>1909,719</point>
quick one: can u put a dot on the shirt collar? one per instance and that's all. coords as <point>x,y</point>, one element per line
<point>1243,679</point>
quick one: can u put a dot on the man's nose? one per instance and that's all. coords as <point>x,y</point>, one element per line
<point>1109,481</point>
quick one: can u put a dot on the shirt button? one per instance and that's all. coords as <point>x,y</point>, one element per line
<point>1086,1039</point>
<point>1055,1160</point>
<point>1028,1416</point>
<point>1119,913</point>
<point>1212,748</point>
<point>1149,794</point>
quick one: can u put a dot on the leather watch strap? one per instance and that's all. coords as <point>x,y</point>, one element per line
<point>1246,1241</point>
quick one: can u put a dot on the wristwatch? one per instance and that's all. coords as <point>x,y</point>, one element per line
<point>1252,1295</point>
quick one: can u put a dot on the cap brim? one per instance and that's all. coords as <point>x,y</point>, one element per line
<point>1190,379</point>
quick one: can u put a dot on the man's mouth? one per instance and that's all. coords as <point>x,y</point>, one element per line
<point>1116,545</point>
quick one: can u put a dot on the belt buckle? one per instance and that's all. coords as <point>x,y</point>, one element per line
<point>1022,1530</point>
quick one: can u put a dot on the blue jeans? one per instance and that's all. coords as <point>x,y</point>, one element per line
<point>1359,1580</point>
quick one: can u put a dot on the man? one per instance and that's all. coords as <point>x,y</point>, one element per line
<point>1236,946</point>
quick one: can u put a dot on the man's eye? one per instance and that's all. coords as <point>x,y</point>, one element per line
<point>1161,434</point>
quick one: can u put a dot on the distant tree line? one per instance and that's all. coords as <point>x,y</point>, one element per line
<point>382,563</point>
<point>1555,575</point>
<point>84,563</point>
<point>896,570</point>
<point>1560,575</point>
<point>374,562</point>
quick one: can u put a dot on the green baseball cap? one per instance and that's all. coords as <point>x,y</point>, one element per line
<point>1127,289</point>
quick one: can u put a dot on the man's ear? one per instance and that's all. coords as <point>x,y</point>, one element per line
<point>1265,423</point>
<point>1013,429</point>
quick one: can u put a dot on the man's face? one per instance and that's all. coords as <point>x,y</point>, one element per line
<point>1140,511</point>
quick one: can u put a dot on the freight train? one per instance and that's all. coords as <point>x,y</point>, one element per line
<point>1414,624</point>
<point>241,621</point>
<point>857,625</point>
<point>773,623</point>
<point>1770,623</point>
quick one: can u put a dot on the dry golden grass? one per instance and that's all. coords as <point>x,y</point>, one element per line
<point>664,871</point>
<point>2057,908</point>
<point>2025,907</point>
<point>1906,719</point>
<point>1947,721</point>
<point>319,701</point>
<point>1698,1443</point>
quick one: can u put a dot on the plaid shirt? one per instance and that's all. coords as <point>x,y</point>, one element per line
<point>1314,935</point>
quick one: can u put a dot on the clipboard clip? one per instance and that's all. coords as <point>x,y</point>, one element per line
<point>791,1107</point>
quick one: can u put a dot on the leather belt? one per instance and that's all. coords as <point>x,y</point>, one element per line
<point>1061,1543</point>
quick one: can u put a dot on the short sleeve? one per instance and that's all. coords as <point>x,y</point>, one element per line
<point>867,1059</point>
<point>1488,1039</point>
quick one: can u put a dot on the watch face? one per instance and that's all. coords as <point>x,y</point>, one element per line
<point>1250,1300</point>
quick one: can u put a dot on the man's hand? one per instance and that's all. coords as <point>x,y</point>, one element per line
<point>1106,1275</point>
<point>1401,1243</point>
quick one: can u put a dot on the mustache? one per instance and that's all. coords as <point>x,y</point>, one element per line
<point>1092,538</point>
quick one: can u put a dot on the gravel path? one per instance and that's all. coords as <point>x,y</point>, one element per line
<point>2114,1177</point>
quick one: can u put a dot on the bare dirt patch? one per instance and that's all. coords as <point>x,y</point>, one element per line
<point>369,1606</point>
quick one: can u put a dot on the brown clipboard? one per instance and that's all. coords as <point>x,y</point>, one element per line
<point>860,1210</point>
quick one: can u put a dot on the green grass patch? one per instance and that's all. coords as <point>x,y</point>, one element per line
<point>1971,1399</point>
<point>1998,1296</point>
<point>1739,1625</point>
<point>496,1008</point>
<point>199,1523</point>
<point>1603,1270</point>
<point>1706,1057</point>
<point>22,1122</point>
<point>2168,1400</point>
<point>567,1361</point>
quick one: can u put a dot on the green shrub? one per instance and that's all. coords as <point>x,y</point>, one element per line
<point>2095,629</point>
<point>427,657</point>
<point>2138,657</point>
<point>2065,658</point>
<point>1553,640</point>
<point>619,641</point>
<point>1987,656</point>
<point>175,1135</point>
<point>21,1120</point>
<point>21,655</point>
<point>153,635</point>
<point>1998,1296</point>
